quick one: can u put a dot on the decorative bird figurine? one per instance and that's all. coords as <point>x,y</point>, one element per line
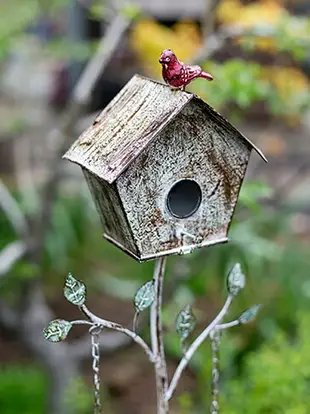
<point>177,74</point>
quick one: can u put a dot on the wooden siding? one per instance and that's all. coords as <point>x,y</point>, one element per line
<point>126,126</point>
<point>111,212</point>
<point>193,146</point>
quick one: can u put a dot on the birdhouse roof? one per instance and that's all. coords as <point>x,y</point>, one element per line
<point>129,124</point>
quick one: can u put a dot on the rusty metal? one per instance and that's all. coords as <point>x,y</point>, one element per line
<point>177,251</point>
<point>147,139</point>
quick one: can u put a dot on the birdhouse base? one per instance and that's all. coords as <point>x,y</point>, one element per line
<point>178,250</point>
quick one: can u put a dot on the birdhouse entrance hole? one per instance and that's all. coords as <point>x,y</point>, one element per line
<point>184,198</point>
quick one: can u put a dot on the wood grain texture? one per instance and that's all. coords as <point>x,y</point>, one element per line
<point>111,212</point>
<point>129,124</point>
<point>148,138</point>
<point>126,126</point>
<point>193,146</point>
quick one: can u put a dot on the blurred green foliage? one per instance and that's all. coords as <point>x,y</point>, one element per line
<point>79,397</point>
<point>275,379</point>
<point>18,15</point>
<point>264,369</point>
<point>275,262</point>
<point>245,83</point>
<point>23,389</point>
<point>290,34</point>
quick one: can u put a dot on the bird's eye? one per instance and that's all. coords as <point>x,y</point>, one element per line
<point>167,59</point>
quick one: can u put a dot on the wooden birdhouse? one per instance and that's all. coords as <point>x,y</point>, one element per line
<point>164,170</point>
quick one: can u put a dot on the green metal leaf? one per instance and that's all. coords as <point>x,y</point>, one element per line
<point>249,315</point>
<point>185,322</point>
<point>57,330</point>
<point>144,296</point>
<point>74,291</point>
<point>235,280</point>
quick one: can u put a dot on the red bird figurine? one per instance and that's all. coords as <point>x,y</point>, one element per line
<point>177,74</point>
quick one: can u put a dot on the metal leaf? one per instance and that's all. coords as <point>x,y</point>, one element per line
<point>144,296</point>
<point>249,315</point>
<point>74,291</point>
<point>185,322</point>
<point>57,330</point>
<point>235,280</point>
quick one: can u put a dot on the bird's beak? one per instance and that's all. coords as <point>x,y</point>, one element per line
<point>160,60</point>
<point>209,77</point>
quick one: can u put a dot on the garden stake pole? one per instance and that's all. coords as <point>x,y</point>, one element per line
<point>215,337</point>
<point>161,375</point>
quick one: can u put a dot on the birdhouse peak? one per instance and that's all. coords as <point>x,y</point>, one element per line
<point>131,121</point>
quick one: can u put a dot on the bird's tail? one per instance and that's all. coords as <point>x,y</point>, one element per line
<point>206,75</point>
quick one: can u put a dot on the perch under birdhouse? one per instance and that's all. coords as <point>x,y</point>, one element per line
<point>164,170</point>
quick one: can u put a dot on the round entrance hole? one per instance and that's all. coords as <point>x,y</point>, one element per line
<point>184,198</point>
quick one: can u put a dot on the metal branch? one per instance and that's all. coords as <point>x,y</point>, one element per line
<point>10,255</point>
<point>13,212</point>
<point>194,346</point>
<point>110,342</point>
<point>161,374</point>
<point>117,327</point>
<point>227,325</point>
<point>81,322</point>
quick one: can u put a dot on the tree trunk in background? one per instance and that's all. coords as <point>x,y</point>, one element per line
<point>63,375</point>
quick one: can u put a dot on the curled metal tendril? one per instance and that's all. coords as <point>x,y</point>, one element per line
<point>215,337</point>
<point>95,337</point>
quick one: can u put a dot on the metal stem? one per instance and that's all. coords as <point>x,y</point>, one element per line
<point>215,337</point>
<point>160,367</point>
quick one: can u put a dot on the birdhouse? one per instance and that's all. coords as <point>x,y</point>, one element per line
<point>164,170</point>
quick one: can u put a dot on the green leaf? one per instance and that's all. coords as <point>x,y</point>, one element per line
<point>249,315</point>
<point>57,330</point>
<point>185,322</point>
<point>144,296</point>
<point>235,280</point>
<point>74,291</point>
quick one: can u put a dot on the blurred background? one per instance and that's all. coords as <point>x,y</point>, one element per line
<point>258,53</point>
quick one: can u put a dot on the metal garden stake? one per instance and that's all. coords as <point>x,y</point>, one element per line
<point>165,170</point>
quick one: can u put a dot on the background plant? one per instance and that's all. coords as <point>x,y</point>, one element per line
<point>268,67</point>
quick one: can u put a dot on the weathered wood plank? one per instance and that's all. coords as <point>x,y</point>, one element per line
<point>126,126</point>
<point>193,146</point>
<point>111,212</point>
